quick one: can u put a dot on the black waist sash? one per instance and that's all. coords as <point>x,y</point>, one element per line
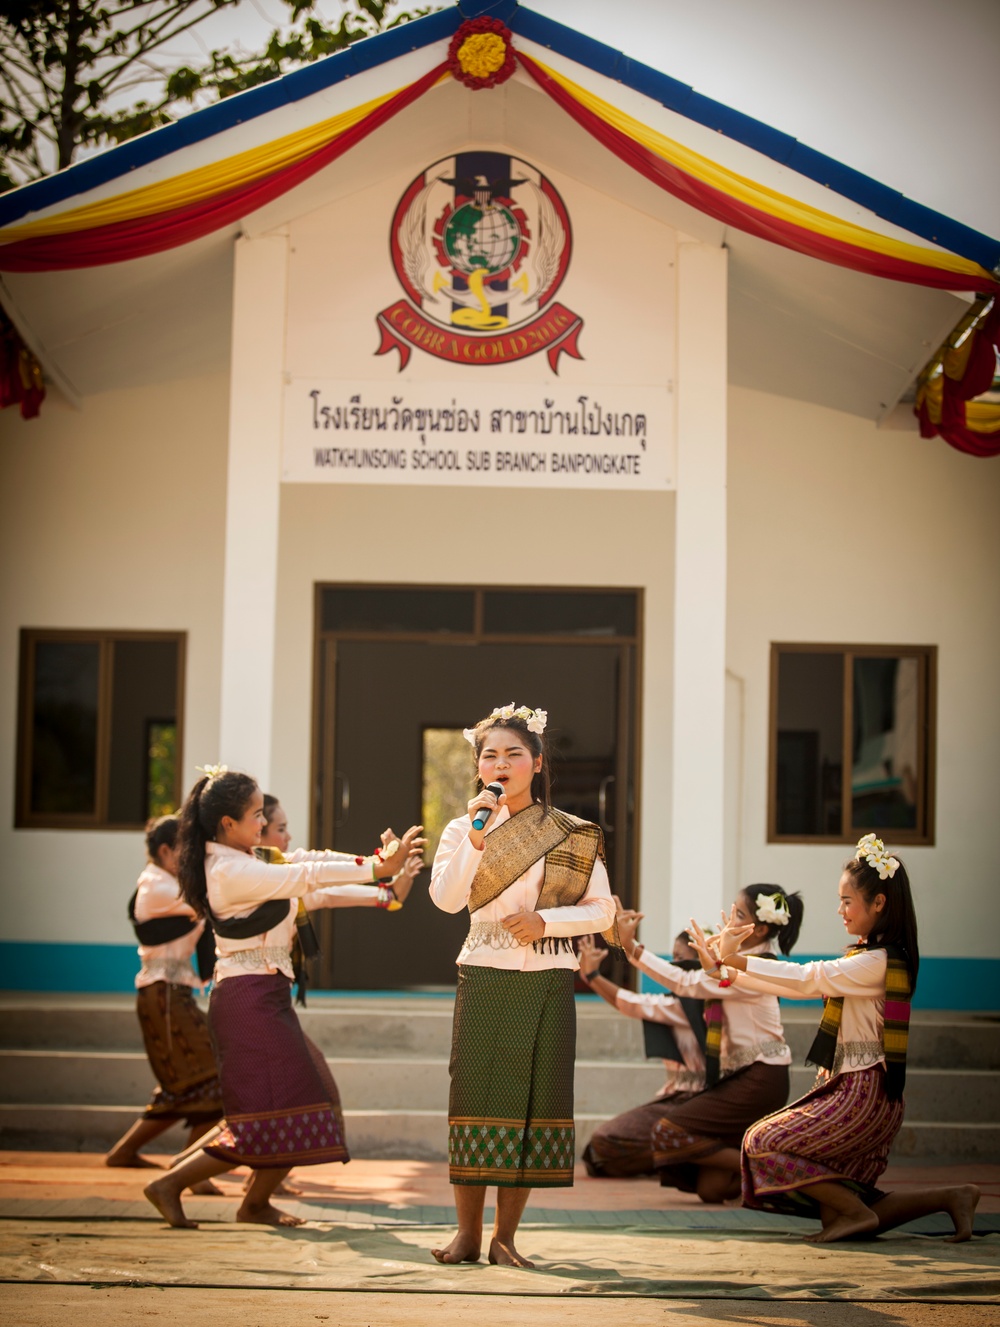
<point>263,919</point>
<point>163,930</point>
<point>659,1042</point>
<point>159,930</point>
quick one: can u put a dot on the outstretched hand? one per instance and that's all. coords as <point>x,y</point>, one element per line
<point>410,843</point>
<point>706,947</point>
<point>732,935</point>
<point>628,924</point>
<point>403,882</point>
<point>590,954</point>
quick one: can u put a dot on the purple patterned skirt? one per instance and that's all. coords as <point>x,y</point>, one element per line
<point>841,1131</point>
<point>280,1111</point>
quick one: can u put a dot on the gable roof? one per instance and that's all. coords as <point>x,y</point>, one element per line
<point>800,327</point>
<point>888,204</point>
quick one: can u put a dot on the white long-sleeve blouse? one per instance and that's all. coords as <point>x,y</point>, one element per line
<point>667,1009</point>
<point>159,895</point>
<point>752,1031</point>
<point>238,883</point>
<point>859,978</point>
<point>488,945</point>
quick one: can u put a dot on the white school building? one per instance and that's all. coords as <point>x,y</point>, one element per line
<point>487,362</point>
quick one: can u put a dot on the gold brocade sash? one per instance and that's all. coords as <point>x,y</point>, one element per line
<point>569,845</point>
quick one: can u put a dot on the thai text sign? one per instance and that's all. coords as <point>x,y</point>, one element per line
<point>490,434</point>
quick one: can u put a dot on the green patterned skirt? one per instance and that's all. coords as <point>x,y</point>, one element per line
<point>510,1113</point>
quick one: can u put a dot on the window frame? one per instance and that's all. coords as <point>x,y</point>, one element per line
<point>926,655</point>
<point>30,638</point>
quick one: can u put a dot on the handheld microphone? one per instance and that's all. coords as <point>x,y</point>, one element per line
<point>484,812</point>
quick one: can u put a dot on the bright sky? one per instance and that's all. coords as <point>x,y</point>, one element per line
<point>904,90</point>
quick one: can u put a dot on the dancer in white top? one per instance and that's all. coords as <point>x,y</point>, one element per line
<point>277,1112</point>
<point>532,877</point>
<point>623,1147</point>
<point>823,1155</point>
<point>174,1030</point>
<point>696,1146</point>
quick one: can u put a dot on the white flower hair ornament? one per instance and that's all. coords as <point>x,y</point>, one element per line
<point>534,720</point>
<point>212,771</point>
<point>873,851</point>
<point>773,909</point>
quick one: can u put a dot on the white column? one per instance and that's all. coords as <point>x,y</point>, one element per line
<point>252,498</point>
<point>697,822</point>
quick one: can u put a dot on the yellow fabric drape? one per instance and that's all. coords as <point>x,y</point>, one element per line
<point>980,416</point>
<point>216,178</point>
<point>760,196</point>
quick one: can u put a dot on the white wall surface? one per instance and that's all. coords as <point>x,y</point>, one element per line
<point>114,518</point>
<point>435,537</point>
<point>839,532</point>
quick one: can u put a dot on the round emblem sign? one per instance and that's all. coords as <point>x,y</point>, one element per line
<point>480,242</point>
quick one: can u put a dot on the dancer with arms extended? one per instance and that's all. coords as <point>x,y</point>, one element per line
<point>822,1156</point>
<point>278,1113</point>
<point>623,1147</point>
<point>696,1143</point>
<point>174,1030</point>
<point>274,847</point>
<point>532,877</point>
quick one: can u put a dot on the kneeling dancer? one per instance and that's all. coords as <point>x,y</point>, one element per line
<point>696,1144</point>
<point>822,1156</point>
<point>278,1111</point>
<point>532,877</point>
<point>623,1147</point>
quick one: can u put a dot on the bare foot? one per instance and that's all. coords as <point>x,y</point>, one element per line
<point>463,1248</point>
<point>505,1255</point>
<point>268,1216</point>
<point>289,1190</point>
<point>962,1203</point>
<point>205,1187</point>
<point>167,1201</point>
<point>846,1227</point>
<point>130,1161</point>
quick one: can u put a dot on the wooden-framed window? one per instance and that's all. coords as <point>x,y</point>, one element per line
<point>99,728</point>
<point>852,733</point>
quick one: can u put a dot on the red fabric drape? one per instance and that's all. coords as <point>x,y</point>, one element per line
<point>20,373</point>
<point>741,215</point>
<point>134,239</point>
<point>958,435</point>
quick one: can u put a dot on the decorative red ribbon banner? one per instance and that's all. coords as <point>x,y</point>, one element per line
<point>743,216</point>
<point>555,331</point>
<point>166,230</point>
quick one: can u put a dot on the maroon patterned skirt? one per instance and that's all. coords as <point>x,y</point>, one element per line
<point>280,1111</point>
<point>841,1131</point>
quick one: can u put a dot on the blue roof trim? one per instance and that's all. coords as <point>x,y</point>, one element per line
<point>887,203</point>
<point>878,198</point>
<point>245,106</point>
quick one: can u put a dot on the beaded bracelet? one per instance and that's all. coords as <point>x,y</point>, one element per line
<point>387,897</point>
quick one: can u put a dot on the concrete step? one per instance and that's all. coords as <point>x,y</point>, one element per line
<point>417,1134</point>
<point>96,1078</point>
<point>416,1027</point>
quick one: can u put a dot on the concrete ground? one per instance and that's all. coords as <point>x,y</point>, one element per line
<point>79,1243</point>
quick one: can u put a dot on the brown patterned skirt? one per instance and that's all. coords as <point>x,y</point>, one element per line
<point>510,1112</point>
<point>280,1111</point>
<point>623,1147</point>
<point>719,1116</point>
<point>179,1050</point>
<point>840,1131</point>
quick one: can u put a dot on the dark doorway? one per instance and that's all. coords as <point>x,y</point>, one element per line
<point>378,694</point>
